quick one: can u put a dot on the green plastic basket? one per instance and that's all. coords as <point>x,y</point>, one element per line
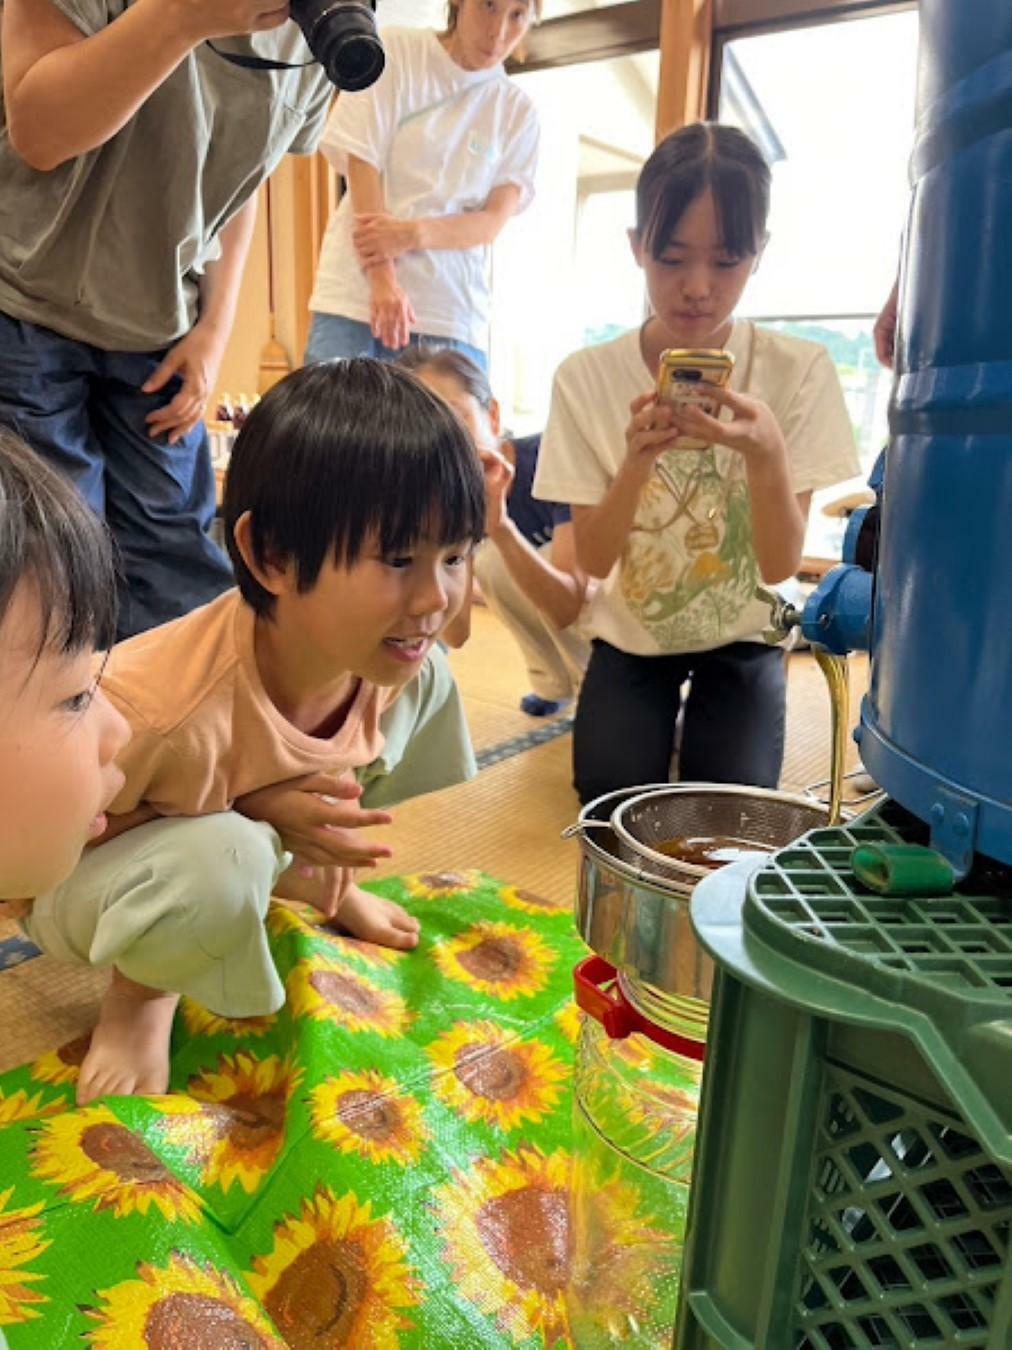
<point>853,1173</point>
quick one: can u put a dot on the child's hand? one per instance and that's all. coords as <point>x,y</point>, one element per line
<point>13,909</point>
<point>318,818</point>
<point>753,430</point>
<point>650,432</point>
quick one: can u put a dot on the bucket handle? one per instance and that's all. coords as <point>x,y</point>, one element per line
<point>595,984</point>
<point>578,826</point>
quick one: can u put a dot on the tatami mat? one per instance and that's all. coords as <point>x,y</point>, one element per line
<point>507,822</point>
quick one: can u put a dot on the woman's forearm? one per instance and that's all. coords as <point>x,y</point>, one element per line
<point>468,229</point>
<point>66,94</point>
<point>778,520</point>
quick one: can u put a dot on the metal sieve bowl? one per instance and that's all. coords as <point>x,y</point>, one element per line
<point>768,818</point>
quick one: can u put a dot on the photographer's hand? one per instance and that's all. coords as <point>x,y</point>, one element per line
<point>226,18</point>
<point>319,820</point>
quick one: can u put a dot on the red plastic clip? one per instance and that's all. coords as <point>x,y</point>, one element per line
<point>595,982</point>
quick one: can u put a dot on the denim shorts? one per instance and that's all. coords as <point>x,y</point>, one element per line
<point>332,335</point>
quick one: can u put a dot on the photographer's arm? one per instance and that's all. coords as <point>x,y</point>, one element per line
<point>66,93</point>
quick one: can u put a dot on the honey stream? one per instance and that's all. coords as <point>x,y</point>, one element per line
<point>835,670</point>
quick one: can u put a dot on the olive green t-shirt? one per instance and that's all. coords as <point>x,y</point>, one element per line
<point>108,248</point>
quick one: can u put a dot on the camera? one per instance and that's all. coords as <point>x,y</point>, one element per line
<point>342,36</point>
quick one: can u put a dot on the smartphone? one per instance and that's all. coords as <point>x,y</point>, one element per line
<point>685,375</point>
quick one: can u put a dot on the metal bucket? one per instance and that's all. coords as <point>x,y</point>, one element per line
<point>628,911</point>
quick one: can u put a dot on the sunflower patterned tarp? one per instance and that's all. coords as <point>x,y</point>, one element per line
<point>383,1163</point>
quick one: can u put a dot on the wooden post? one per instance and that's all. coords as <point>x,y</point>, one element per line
<point>685,42</point>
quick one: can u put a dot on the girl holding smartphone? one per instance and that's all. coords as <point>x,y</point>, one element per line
<point>679,552</point>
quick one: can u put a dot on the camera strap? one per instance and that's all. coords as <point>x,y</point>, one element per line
<point>258,62</point>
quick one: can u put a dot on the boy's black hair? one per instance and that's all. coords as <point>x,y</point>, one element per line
<point>455,364</point>
<point>699,158</point>
<point>52,538</point>
<point>342,451</point>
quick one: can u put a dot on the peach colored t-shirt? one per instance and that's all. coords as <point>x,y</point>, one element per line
<point>204,730</point>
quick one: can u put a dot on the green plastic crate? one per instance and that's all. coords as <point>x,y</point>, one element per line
<point>853,1173</point>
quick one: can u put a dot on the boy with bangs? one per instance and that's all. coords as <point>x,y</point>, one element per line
<point>352,503</point>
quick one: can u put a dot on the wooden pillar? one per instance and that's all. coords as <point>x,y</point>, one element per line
<point>685,43</point>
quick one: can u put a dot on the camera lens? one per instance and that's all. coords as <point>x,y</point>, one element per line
<point>342,36</point>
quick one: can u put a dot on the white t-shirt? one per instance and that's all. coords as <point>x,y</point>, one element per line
<point>443,138</point>
<point>686,577</point>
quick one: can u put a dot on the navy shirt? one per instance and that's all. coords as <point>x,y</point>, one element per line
<point>536,520</point>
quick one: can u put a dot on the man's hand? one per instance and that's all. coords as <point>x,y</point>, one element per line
<point>318,818</point>
<point>194,360</point>
<point>379,237</point>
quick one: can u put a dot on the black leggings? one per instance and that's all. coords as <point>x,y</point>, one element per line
<point>732,731</point>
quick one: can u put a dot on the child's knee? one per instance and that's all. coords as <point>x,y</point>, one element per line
<point>231,863</point>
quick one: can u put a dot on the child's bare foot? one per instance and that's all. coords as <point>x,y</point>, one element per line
<point>129,1052</point>
<point>374,919</point>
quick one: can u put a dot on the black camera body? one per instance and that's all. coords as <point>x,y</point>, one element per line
<point>342,36</point>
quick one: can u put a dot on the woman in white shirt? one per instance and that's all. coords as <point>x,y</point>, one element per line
<point>437,154</point>
<point>680,537</point>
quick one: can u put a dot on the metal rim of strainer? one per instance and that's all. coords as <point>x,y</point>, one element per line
<point>660,862</point>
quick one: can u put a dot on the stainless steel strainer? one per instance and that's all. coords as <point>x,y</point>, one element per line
<point>707,810</point>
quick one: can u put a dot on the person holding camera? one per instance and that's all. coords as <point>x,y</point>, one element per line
<point>438,154</point>
<point>135,136</point>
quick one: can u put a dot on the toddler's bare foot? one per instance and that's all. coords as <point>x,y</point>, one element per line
<point>374,919</point>
<point>129,1052</point>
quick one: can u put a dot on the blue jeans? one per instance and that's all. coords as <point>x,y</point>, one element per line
<point>82,409</point>
<point>332,335</point>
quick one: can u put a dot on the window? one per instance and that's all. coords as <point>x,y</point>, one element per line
<point>832,106</point>
<point>563,275</point>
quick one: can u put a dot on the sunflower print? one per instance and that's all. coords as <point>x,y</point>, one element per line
<point>364,1112</point>
<point>488,1075</point>
<point>624,1264</point>
<point>19,1106</point>
<point>439,885</point>
<point>62,1065</point>
<point>311,923</point>
<point>233,1119</point>
<point>515,1247</point>
<point>180,1304</point>
<point>199,1021</point>
<point>336,1276</point>
<point>21,1241</point>
<point>530,903</point>
<point>496,958</point>
<point>505,1226</point>
<point>569,1019</point>
<point>90,1155</point>
<point>324,989</point>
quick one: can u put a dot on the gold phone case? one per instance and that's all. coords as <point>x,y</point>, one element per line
<point>685,373</point>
